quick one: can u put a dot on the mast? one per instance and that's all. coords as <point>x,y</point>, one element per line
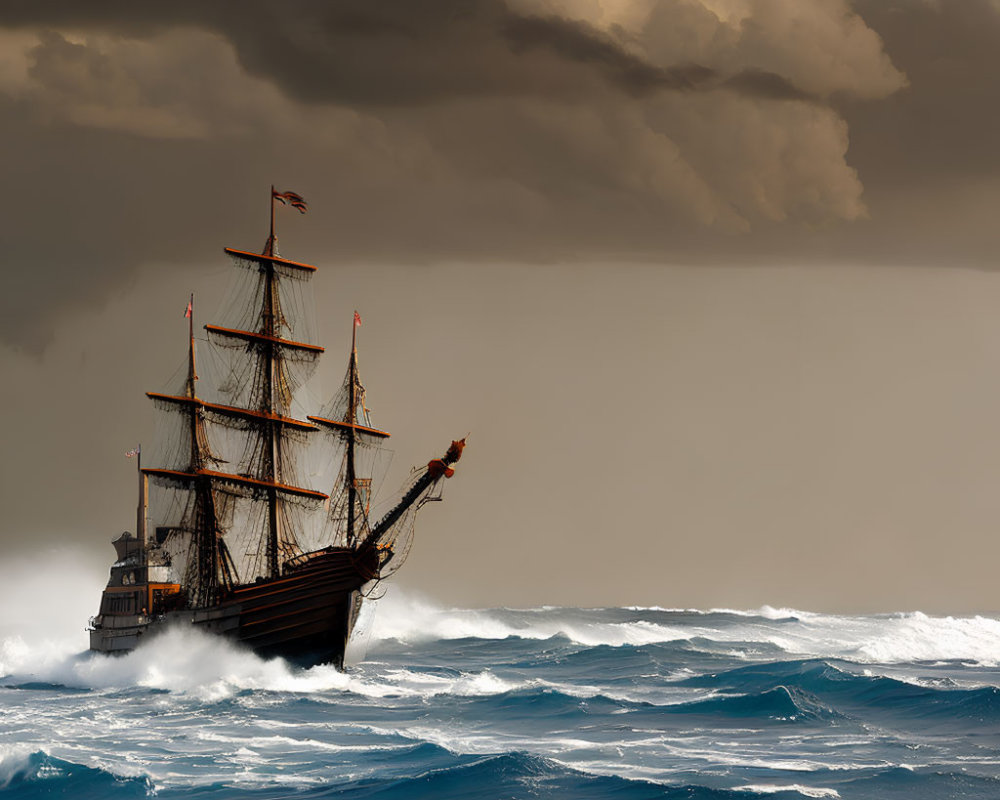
<point>271,246</point>
<point>263,393</point>
<point>266,365</point>
<point>205,524</point>
<point>272,443</point>
<point>352,419</point>
<point>210,568</point>
<point>140,521</point>
<point>189,388</point>
<point>346,417</point>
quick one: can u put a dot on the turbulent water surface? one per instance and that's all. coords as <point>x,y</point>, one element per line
<point>544,702</point>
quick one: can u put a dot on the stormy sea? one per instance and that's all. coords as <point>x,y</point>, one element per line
<point>516,703</point>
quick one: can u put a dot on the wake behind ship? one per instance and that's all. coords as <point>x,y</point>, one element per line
<point>239,545</point>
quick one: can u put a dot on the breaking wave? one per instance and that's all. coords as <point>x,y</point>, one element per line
<point>885,639</point>
<point>26,774</point>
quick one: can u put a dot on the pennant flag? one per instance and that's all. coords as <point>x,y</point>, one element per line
<point>187,313</point>
<point>290,198</point>
<point>132,453</point>
<point>357,320</point>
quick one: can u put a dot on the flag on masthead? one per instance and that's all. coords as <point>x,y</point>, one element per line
<point>290,198</point>
<point>357,320</point>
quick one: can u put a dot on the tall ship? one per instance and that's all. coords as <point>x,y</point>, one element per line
<point>230,538</point>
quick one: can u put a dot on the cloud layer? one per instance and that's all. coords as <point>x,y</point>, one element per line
<point>527,130</point>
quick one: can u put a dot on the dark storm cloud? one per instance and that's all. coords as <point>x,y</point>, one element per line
<point>483,130</point>
<point>578,42</point>
<point>404,53</point>
<point>361,53</point>
<point>84,208</point>
<point>758,83</point>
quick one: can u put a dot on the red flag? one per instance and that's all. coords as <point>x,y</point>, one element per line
<point>187,312</point>
<point>357,320</point>
<point>290,198</point>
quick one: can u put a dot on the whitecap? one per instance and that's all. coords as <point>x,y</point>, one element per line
<point>805,791</point>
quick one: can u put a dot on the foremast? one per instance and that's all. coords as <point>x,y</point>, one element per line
<point>347,418</point>
<point>352,426</point>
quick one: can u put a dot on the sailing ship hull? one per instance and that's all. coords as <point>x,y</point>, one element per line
<point>305,616</point>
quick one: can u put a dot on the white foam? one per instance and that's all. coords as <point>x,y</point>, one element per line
<point>409,618</point>
<point>805,791</point>
<point>180,660</point>
<point>188,661</point>
<point>466,684</point>
<point>887,639</point>
<point>768,612</point>
<point>919,637</point>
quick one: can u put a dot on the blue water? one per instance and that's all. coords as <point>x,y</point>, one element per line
<point>536,703</point>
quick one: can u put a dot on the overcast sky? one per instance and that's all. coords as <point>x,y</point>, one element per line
<point>712,283</point>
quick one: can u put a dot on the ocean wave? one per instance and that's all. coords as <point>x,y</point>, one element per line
<point>798,788</point>
<point>850,692</point>
<point>920,784</point>
<point>781,704</point>
<point>916,636</point>
<point>764,612</point>
<point>878,639</point>
<point>407,619</point>
<point>25,774</point>
<point>520,774</point>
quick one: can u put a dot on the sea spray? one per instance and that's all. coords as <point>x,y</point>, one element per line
<point>45,603</point>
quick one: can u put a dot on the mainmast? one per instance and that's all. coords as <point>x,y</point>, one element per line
<point>264,396</point>
<point>272,443</point>
<point>352,419</point>
<point>260,384</point>
<point>189,389</point>
<point>271,245</point>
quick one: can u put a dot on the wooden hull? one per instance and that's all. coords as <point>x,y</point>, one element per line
<point>305,616</point>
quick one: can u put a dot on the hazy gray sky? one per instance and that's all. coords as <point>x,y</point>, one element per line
<point>711,282</point>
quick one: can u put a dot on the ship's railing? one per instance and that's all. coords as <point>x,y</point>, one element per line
<point>300,560</point>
